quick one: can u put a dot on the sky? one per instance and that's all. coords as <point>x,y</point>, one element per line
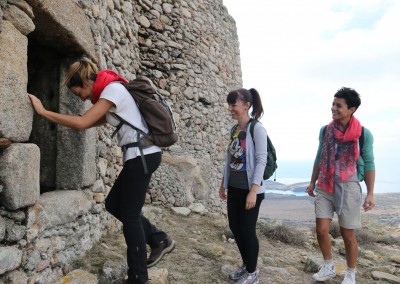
<point>297,54</point>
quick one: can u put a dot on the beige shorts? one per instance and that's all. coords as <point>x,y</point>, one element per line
<point>350,217</point>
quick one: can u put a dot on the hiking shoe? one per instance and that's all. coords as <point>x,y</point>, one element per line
<point>324,273</point>
<point>249,278</point>
<point>158,252</point>
<point>349,278</point>
<point>238,273</point>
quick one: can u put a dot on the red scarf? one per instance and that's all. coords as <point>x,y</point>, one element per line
<point>104,78</point>
<point>347,158</point>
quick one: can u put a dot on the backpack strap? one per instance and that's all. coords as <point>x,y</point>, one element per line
<point>252,124</point>
<point>269,143</point>
<point>361,141</point>
<point>133,144</point>
<point>122,122</point>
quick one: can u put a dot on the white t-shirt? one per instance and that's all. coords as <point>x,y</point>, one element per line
<point>125,106</point>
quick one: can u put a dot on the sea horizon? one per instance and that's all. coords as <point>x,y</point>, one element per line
<point>380,186</point>
<point>290,172</point>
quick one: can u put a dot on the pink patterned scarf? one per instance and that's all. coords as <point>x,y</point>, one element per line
<point>348,157</point>
<point>104,78</point>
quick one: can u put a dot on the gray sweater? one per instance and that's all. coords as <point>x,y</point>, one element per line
<point>256,157</point>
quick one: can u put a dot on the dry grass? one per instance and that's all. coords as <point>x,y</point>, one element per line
<point>284,233</point>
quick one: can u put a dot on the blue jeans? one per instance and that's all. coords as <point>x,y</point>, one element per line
<point>125,202</point>
<point>242,223</point>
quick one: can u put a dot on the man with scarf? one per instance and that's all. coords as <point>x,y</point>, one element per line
<point>338,170</point>
<point>126,198</point>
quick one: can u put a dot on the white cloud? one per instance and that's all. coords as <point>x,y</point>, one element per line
<point>298,53</point>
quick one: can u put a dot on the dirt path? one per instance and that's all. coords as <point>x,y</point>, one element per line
<point>203,255</point>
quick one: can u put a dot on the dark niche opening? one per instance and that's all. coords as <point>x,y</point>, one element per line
<point>44,82</point>
<point>67,156</point>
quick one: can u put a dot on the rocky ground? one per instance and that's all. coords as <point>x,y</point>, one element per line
<point>205,253</point>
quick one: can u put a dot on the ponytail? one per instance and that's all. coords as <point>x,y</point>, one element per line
<point>80,73</point>
<point>251,96</point>
<point>258,110</point>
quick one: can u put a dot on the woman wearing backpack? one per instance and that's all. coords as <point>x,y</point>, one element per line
<point>342,161</point>
<point>243,176</point>
<point>127,196</point>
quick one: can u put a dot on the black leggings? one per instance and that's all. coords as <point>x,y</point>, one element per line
<point>242,223</point>
<point>125,202</point>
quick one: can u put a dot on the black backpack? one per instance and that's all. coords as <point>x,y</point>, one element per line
<point>271,165</point>
<point>157,114</point>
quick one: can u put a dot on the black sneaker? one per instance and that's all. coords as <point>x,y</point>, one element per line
<point>157,253</point>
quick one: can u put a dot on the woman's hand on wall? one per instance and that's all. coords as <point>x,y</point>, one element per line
<point>37,104</point>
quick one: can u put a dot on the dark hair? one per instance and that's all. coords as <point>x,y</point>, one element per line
<point>351,97</point>
<point>79,73</point>
<point>251,96</point>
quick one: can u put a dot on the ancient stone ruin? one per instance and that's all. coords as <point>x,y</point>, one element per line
<point>53,180</point>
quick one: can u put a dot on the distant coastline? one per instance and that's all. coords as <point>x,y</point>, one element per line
<point>297,187</point>
<point>299,210</point>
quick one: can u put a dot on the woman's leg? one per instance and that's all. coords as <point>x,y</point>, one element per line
<point>324,240</point>
<point>242,223</point>
<point>128,196</point>
<point>152,234</point>
<point>351,246</point>
<point>113,197</point>
<point>236,201</point>
<point>248,221</point>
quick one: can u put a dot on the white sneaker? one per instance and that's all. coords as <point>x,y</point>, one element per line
<point>349,278</point>
<point>324,273</point>
<point>249,278</point>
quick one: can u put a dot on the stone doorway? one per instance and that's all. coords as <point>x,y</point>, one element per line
<point>43,81</point>
<point>67,157</point>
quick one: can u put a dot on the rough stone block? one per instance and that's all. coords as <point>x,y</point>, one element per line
<point>19,174</point>
<point>16,112</point>
<point>62,207</point>
<point>76,150</point>
<point>19,19</point>
<point>21,4</point>
<point>78,276</point>
<point>64,21</point>
<point>16,276</point>
<point>76,162</point>
<point>2,228</point>
<point>192,174</point>
<point>10,259</point>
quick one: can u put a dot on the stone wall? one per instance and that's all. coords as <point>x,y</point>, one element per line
<point>53,180</point>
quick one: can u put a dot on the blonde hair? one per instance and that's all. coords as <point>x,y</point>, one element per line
<point>80,73</point>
